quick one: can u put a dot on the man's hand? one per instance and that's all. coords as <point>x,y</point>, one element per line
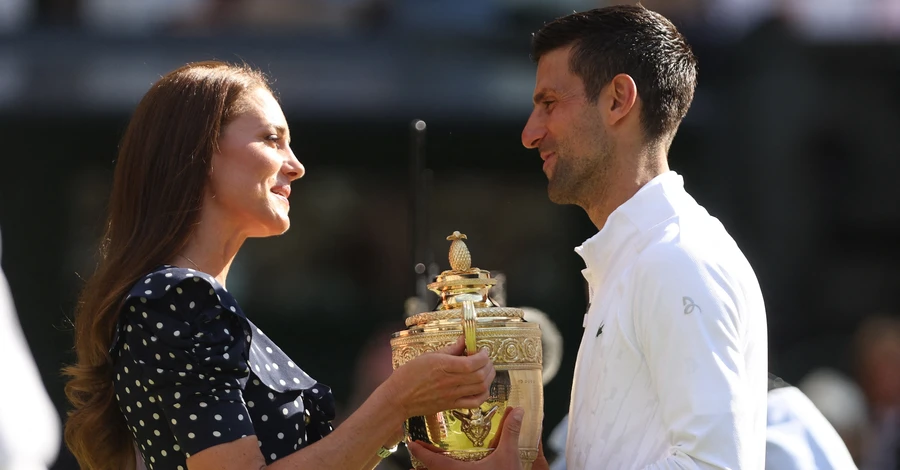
<point>541,463</point>
<point>504,457</point>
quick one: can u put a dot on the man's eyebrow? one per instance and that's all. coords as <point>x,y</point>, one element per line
<point>541,95</point>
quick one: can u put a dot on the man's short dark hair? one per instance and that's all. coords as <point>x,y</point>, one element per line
<point>633,40</point>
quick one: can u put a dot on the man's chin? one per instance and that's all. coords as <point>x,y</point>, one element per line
<point>559,196</point>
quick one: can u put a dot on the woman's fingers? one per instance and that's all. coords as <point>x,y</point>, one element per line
<point>441,381</point>
<point>471,391</point>
<point>465,364</point>
<point>489,377</point>
<point>471,401</point>
<point>455,349</point>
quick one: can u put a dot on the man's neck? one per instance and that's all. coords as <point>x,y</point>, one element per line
<point>623,182</point>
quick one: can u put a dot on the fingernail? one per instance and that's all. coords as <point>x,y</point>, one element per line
<point>518,414</point>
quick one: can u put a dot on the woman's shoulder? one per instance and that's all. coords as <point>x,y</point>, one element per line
<point>186,303</point>
<point>170,290</point>
<point>169,281</point>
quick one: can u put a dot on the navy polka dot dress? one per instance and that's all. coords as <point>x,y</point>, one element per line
<point>192,372</point>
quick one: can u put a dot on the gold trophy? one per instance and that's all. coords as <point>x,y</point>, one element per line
<point>514,346</point>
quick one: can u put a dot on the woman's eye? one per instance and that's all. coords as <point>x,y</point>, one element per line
<point>272,138</point>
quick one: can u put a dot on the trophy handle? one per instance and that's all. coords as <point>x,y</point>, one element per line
<point>468,321</point>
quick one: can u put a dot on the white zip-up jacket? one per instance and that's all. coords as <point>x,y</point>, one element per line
<point>672,368</point>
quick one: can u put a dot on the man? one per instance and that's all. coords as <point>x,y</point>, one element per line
<point>798,436</point>
<point>672,369</point>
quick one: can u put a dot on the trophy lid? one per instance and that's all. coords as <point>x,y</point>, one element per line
<point>462,278</point>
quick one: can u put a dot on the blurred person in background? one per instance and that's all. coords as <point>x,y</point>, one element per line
<point>29,425</point>
<point>170,371</point>
<point>798,436</point>
<point>842,403</point>
<point>672,368</point>
<point>551,342</point>
<point>878,368</point>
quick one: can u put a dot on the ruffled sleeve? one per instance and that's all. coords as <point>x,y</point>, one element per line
<point>194,355</point>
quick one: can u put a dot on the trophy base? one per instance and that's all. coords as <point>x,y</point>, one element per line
<point>527,456</point>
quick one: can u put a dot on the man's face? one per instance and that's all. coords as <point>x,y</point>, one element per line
<point>568,130</point>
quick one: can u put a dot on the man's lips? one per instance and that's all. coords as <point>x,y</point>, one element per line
<point>549,158</point>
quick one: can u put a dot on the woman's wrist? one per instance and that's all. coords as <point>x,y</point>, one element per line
<point>396,438</point>
<point>390,398</point>
<point>386,398</point>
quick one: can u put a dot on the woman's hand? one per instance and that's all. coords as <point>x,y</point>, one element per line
<point>442,380</point>
<point>504,457</point>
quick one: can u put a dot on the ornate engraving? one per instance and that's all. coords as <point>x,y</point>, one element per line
<point>476,424</point>
<point>508,348</point>
<point>531,347</point>
<point>456,314</point>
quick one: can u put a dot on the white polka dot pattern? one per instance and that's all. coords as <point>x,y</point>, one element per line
<point>201,375</point>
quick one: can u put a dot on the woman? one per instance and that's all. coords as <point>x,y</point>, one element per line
<point>168,363</point>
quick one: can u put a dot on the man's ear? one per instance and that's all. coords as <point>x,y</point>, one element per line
<point>620,96</point>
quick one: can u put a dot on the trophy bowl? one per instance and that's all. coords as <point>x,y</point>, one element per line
<point>514,346</point>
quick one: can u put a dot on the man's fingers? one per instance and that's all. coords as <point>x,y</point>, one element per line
<point>496,440</point>
<point>540,463</point>
<point>431,447</point>
<point>512,426</point>
<point>431,459</point>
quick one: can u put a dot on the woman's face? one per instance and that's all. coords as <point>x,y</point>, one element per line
<point>251,174</point>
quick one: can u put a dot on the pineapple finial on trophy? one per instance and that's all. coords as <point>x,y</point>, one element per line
<point>460,258</point>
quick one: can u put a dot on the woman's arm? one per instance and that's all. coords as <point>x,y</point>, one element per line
<point>427,384</point>
<point>352,445</point>
<point>394,441</point>
<point>355,442</point>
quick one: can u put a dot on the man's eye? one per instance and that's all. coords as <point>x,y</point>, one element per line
<point>272,138</point>
<point>547,103</point>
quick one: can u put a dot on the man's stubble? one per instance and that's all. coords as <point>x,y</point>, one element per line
<point>583,164</point>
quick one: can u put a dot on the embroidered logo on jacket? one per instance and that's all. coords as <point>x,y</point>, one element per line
<point>599,331</point>
<point>689,305</point>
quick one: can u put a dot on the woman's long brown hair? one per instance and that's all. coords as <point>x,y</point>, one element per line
<point>160,177</point>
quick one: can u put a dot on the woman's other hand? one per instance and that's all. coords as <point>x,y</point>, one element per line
<point>504,457</point>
